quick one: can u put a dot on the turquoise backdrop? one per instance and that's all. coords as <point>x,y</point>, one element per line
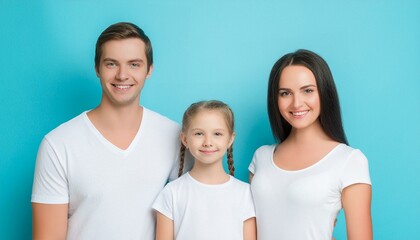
<point>219,49</point>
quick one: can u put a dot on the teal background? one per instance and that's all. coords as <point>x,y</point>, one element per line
<point>219,49</point>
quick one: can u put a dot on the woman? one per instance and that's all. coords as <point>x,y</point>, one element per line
<point>300,184</point>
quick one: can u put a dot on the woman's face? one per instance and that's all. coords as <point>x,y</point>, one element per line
<point>298,97</point>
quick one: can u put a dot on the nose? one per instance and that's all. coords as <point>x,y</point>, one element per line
<point>122,73</point>
<point>207,142</point>
<point>297,101</point>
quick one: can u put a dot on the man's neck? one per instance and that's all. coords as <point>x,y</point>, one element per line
<point>118,125</point>
<point>121,116</point>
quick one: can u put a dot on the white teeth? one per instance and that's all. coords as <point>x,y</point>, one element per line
<point>299,113</point>
<point>122,86</point>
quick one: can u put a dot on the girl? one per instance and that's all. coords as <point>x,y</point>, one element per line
<point>300,184</point>
<point>206,203</point>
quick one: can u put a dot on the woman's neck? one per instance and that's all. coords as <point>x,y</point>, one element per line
<point>308,136</point>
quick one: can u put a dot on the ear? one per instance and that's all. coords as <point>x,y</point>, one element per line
<point>97,71</point>
<point>149,73</point>
<point>232,138</point>
<point>183,138</point>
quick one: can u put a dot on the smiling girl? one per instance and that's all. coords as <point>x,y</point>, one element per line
<point>206,203</point>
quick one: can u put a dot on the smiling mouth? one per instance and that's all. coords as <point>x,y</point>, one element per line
<point>208,151</point>
<point>298,114</point>
<point>122,87</point>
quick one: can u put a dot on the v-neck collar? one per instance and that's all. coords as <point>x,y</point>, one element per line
<point>107,143</point>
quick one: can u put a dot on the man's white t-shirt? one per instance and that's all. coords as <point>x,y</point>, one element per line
<point>109,191</point>
<point>206,212</point>
<point>303,204</point>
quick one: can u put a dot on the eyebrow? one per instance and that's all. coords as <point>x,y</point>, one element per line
<point>132,60</point>
<point>217,129</point>
<point>303,87</point>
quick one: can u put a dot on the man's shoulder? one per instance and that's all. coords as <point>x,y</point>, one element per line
<point>69,127</point>
<point>160,119</point>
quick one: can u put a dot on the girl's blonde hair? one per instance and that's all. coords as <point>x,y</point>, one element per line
<point>191,111</point>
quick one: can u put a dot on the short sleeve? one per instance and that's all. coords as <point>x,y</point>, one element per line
<point>356,170</point>
<point>262,154</point>
<point>251,166</point>
<point>164,202</point>
<point>249,209</point>
<point>50,180</point>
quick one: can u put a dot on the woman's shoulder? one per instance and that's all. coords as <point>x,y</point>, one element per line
<point>266,149</point>
<point>349,152</point>
<point>262,156</point>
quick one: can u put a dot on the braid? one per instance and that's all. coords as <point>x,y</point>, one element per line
<point>230,160</point>
<point>181,160</point>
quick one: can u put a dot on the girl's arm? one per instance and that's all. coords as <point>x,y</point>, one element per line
<point>164,227</point>
<point>356,200</point>
<point>250,229</point>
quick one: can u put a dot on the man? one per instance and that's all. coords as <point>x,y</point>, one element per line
<point>98,174</point>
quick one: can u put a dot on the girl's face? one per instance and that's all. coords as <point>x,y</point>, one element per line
<point>298,97</point>
<point>208,137</point>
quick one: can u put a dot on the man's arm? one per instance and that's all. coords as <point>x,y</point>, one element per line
<point>49,221</point>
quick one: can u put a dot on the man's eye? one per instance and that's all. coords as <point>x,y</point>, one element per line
<point>134,65</point>
<point>198,134</point>
<point>110,64</point>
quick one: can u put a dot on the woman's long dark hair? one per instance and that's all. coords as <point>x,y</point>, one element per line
<point>330,115</point>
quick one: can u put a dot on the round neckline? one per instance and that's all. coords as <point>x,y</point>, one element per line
<point>306,168</point>
<point>210,185</point>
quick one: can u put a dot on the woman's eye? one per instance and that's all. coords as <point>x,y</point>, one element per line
<point>218,134</point>
<point>309,90</point>
<point>284,94</point>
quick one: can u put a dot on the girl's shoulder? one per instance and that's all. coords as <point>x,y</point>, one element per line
<point>239,182</point>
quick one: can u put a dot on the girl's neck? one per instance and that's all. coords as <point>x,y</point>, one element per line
<point>209,173</point>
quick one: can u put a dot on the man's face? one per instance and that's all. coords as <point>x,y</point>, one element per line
<point>123,70</point>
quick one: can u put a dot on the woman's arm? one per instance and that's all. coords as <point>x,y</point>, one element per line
<point>356,200</point>
<point>250,229</point>
<point>49,221</point>
<point>164,227</point>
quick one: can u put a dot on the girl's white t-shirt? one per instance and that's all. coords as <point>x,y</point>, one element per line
<point>206,212</point>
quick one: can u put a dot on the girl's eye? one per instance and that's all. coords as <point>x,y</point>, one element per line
<point>218,134</point>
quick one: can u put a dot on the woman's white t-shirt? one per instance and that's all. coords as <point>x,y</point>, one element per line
<point>303,204</point>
